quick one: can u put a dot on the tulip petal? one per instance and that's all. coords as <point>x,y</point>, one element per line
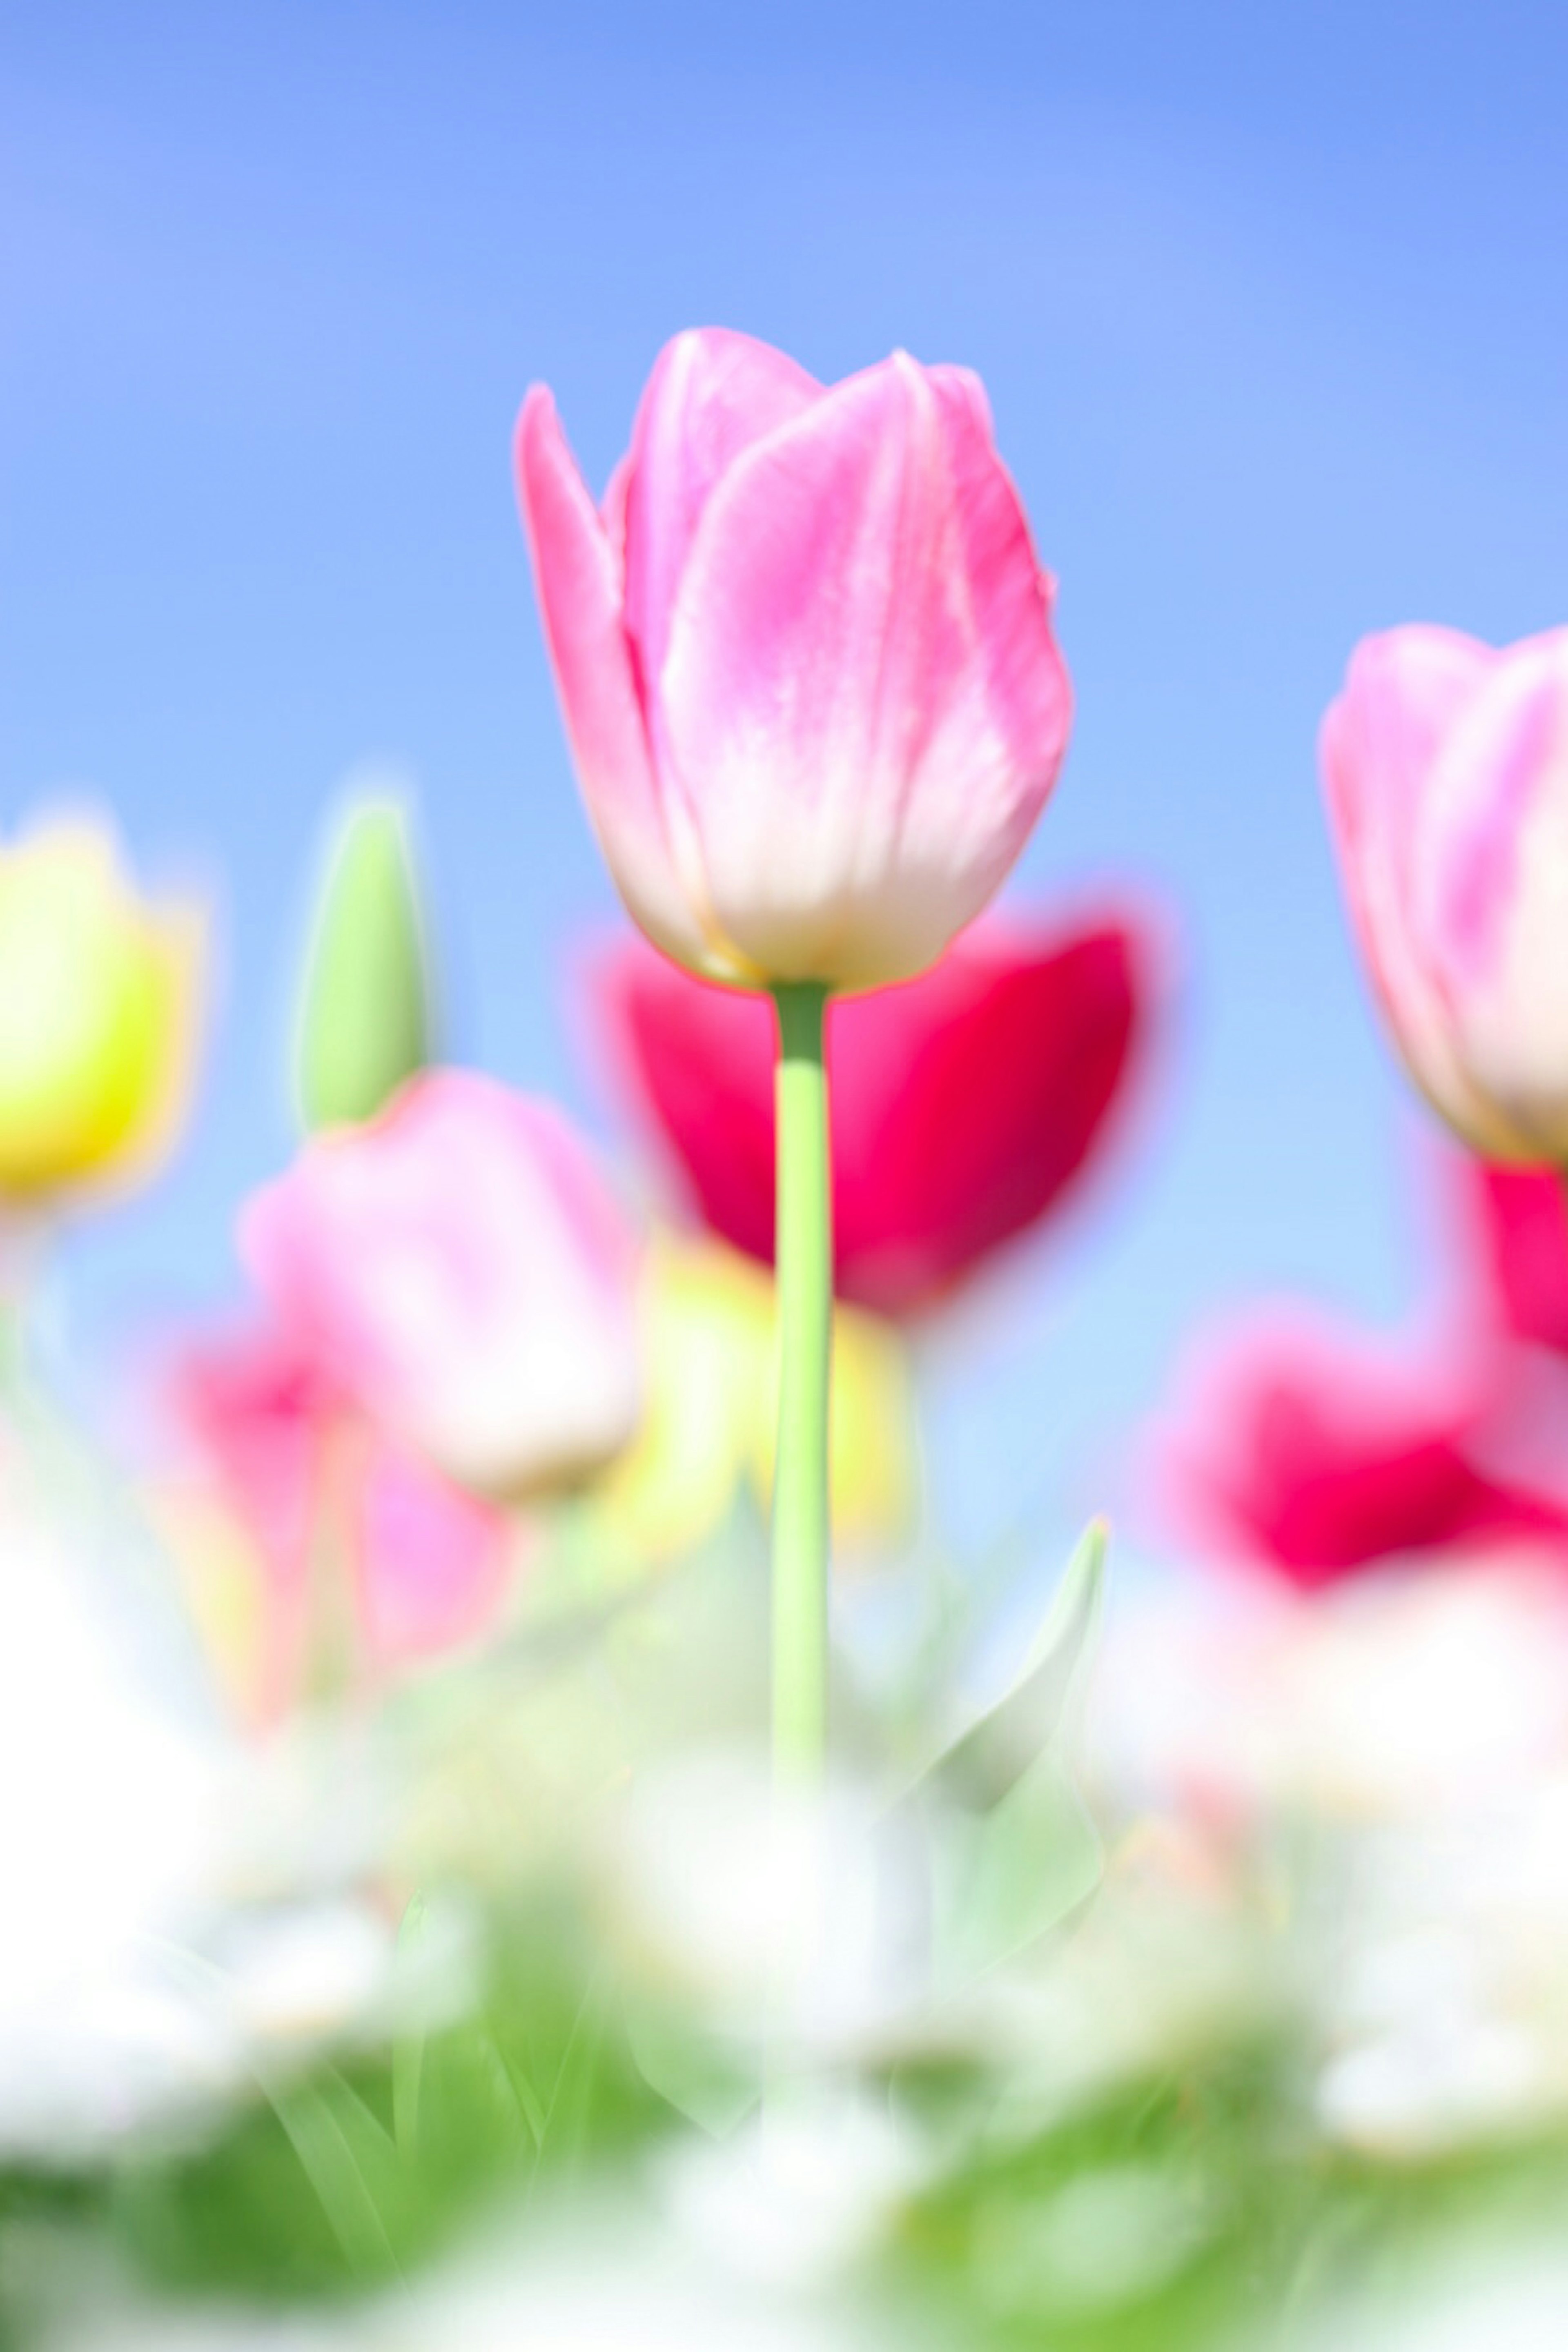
<point>1305,1447</point>
<point>710,395</point>
<point>1491,891</point>
<point>431,1560</point>
<point>832,633</point>
<point>965,1102</point>
<point>1379,741</point>
<point>578,577</point>
<point>459,1268</point>
<point>1523,1239</point>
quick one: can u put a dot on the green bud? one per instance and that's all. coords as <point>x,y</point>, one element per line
<point>365,1016</point>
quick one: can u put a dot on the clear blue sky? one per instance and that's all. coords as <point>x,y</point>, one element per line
<point>1273,309</point>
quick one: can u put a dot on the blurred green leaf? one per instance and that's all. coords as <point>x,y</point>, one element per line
<point>350,2162</point>
<point>408,2049</point>
<point>365,1017</point>
<point>980,1768</point>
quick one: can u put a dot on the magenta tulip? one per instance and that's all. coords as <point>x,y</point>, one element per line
<point>966,1103</point>
<point>1524,1234</point>
<point>805,655</point>
<point>1446,765</point>
<point>460,1269</point>
<point>1311,1452</point>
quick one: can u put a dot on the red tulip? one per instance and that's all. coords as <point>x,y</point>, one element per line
<point>1318,1456</point>
<point>964,1102</point>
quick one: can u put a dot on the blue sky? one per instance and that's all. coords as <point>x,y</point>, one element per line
<point>1272,309</point>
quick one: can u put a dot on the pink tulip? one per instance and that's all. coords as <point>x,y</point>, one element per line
<point>805,655</point>
<point>1320,1455</point>
<point>965,1103</point>
<point>321,1493</point>
<point>1446,765</point>
<point>459,1268</point>
<point>431,1558</point>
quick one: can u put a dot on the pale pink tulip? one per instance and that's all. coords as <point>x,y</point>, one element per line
<point>1446,765</point>
<point>417,1563</point>
<point>805,655</point>
<point>459,1267</point>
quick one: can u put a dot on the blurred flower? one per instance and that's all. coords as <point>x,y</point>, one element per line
<point>304,1531</point>
<point>365,1016</point>
<point>459,1267</point>
<point>1320,1453</point>
<point>99,1004</point>
<point>805,655</point>
<point>964,1102</point>
<point>1446,765</point>
<point>710,1422</point>
<point>1522,1219</point>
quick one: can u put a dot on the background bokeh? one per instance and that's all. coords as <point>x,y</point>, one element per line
<point>1272,308</point>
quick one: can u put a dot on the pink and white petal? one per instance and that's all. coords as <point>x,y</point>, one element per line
<point>1002,697</point>
<point>577,573</point>
<point>1378,746</point>
<point>612,512</point>
<point>711,395</point>
<point>1494,888</point>
<point>826,704</point>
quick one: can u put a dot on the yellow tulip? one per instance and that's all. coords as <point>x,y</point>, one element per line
<point>99,995</point>
<point>709,1423</point>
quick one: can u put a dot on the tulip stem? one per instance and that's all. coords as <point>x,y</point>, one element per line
<point>803,1253</point>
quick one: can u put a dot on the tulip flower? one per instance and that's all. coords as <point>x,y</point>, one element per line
<point>459,1267</point>
<point>967,1103</point>
<point>98,1015</point>
<point>805,651</point>
<point>306,1532</point>
<point>1446,765</point>
<point>365,1017</point>
<point>1523,1233</point>
<point>1314,1453</point>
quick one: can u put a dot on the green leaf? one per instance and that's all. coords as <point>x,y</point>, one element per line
<point>408,2046</point>
<point>980,1769</point>
<point>1014,1851</point>
<point>365,1022</point>
<point>346,2155</point>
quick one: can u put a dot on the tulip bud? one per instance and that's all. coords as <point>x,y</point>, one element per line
<point>366,1020</point>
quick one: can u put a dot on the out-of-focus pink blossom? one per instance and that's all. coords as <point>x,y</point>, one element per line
<point>1445,766</point>
<point>343,1523</point>
<point>459,1268</point>
<point>964,1102</point>
<point>1321,1455</point>
<point>431,1558</point>
<point>805,655</point>
<point>259,1411</point>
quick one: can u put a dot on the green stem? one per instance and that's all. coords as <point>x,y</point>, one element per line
<point>804,1256</point>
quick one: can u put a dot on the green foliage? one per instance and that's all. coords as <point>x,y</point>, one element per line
<point>311,2190</point>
